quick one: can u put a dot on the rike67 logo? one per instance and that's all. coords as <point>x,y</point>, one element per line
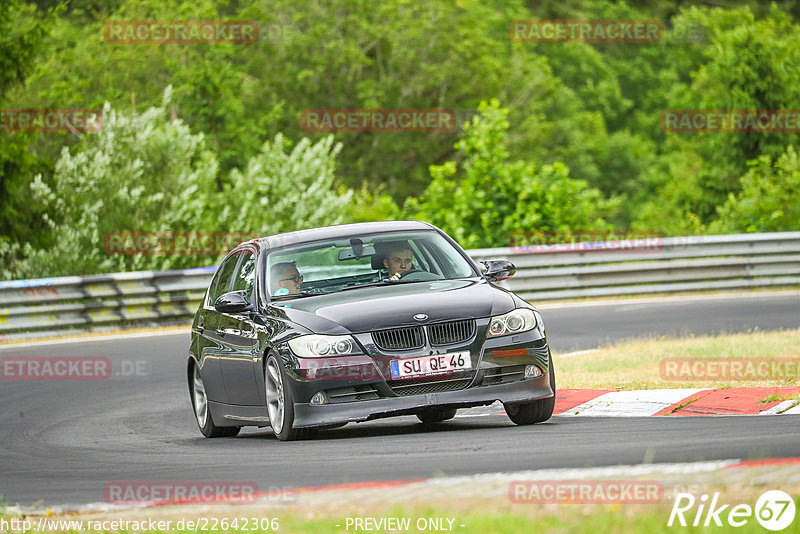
<point>774,510</point>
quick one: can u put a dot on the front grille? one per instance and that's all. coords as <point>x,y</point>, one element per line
<point>351,394</point>
<point>399,338</point>
<point>431,384</point>
<point>503,375</point>
<point>452,332</point>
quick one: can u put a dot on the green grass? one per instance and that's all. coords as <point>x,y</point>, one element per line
<point>635,364</point>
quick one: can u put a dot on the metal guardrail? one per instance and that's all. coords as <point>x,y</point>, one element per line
<point>52,306</point>
<point>660,265</point>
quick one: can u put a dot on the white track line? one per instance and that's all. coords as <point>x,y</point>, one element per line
<point>631,403</point>
<point>779,408</point>
<point>186,330</point>
<point>667,299</point>
<point>576,353</point>
<point>792,411</point>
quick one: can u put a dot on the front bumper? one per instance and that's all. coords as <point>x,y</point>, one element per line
<point>309,415</point>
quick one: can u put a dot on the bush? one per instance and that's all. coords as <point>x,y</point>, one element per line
<point>769,200</point>
<point>486,198</point>
<point>149,173</point>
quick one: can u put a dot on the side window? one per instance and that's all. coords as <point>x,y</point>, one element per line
<point>422,260</point>
<point>245,278</point>
<point>222,279</point>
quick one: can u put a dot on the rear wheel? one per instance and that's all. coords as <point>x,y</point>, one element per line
<point>436,415</point>
<point>202,413</point>
<point>280,403</point>
<point>537,411</point>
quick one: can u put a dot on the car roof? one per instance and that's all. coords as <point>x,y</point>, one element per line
<point>339,231</point>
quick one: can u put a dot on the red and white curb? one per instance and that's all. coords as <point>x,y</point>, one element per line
<point>670,402</point>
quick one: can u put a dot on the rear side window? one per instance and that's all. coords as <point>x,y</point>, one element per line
<point>222,280</point>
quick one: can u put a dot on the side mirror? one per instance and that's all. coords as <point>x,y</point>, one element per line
<point>232,302</point>
<point>497,270</point>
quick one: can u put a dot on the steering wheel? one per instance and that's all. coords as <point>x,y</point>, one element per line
<point>418,274</point>
<point>408,272</point>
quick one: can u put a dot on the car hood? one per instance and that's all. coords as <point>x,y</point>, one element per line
<point>378,307</point>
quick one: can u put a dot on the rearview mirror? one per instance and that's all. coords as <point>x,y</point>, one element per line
<point>356,253</point>
<point>232,302</point>
<point>497,270</point>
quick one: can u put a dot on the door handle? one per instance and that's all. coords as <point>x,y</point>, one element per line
<point>221,332</point>
<point>200,327</point>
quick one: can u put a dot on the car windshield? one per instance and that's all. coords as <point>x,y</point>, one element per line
<point>363,261</point>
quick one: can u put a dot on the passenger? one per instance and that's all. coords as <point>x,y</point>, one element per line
<point>286,279</point>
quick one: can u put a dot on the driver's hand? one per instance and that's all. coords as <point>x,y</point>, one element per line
<point>395,277</point>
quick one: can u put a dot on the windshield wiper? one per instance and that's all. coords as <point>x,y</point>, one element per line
<point>368,284</point>
<point>295,295</point>
<point>384,282</point>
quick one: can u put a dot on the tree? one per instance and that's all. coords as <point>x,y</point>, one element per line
<point>138,173</point>
<point>769,199</point>
<point>486,198</point>
<point>148,173</point>
<point>22,33</point>
<point>284,188</point>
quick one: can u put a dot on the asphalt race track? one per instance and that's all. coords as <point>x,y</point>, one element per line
<point>62,441</point>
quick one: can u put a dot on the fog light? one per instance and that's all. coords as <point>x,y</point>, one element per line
<point>531,371</point>
<point>319,398</point>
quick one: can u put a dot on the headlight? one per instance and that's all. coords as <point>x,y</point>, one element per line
<point>318,346</point>
<point>514,322</point>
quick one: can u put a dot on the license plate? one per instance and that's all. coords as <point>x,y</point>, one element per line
<point>431,365</point>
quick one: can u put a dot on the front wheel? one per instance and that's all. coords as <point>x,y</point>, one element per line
<point>436,415</point>
<point>202,413</point>
<point>280,403</point>
<point>537,411</point>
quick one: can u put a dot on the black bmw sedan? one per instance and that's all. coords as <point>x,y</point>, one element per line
<point>318,328</point>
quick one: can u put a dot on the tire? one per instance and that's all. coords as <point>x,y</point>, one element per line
<point>537,411</point>
<point>280,403</point>
<point>201,412</point>
<point>436,415</point>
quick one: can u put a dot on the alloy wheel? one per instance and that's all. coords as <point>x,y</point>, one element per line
<point>275,397</point>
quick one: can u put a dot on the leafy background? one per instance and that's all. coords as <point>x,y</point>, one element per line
<point>559,136</point>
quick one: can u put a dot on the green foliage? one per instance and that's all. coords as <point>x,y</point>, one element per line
<point>484,198</point>
<point>150,173</point>
<point>284,188</point>
<point>138,173</point>
<point>769,199</point>
<point>369,206</point>
<point>22,31</point>
<point>591,108</point>
<point>747,63</point>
